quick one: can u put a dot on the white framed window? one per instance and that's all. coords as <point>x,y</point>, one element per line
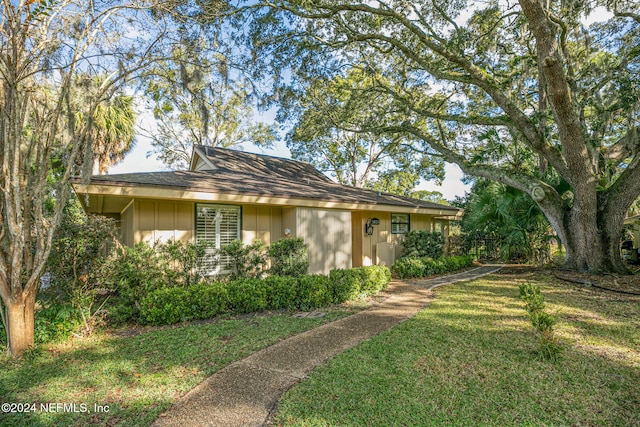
<point>399,223</point>
<point>219,225</point>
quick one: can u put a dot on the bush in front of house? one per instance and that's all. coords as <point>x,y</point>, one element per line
<point>410,267</point>
<point>314,291</point>
<point>308,292</point>
<point>289,257</point>
<point>423,243</point>
<point>244,261</point>
<point>282,292</point>
<point>248,295</point>
<point>374,278</point>
<point>166,306</point>
<point>177,304</point>
<point>345,284</point>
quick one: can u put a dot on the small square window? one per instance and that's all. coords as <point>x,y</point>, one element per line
<point>399,223</point>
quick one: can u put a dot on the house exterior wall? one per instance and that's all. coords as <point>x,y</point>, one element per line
<point>163,220</point>
<point>336,238</point>
<point>328,234</point>
<point>127,225</point>
<point>261,222</point>
<point>368,255</point>
<point>151,221</point>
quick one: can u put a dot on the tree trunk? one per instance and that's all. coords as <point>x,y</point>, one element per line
<point>594,246</point>
<point>20,325</point>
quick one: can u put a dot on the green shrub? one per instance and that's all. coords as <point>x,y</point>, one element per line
<point>182,259</point>
<point>281,292</point>
<point>56,321</point>
<point>423,243</point>
<point>248,295</point>
<point>406,268</point>
<point>289,257</point>
<point>244,261</point>
<point>137,271</point>
<point>542,321</point>
<point>166,306</point>
<point>411,267</point>
<point>345,284</point>
<point>314,291</point>
<point>208,299</point>
<point>374,278</point>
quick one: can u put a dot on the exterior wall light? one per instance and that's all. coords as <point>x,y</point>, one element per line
<point>368,227</point>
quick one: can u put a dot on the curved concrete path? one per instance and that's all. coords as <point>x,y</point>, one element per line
<point>245,392</point>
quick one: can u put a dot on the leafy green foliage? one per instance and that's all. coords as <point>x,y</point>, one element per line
<point>388,72</point>
<point>374,278</point>
<point>165,306</point>
<point>194,102</point>
<point>172,305</point>
<point>282,292</point>
<point>307,292</point>
<point>138,270</point>
<point>79,263</point>
<point>423,243</point>
<point>56,321</point>
<point>248,295</point>
<point>346,284</point>
<point>314,291</point>
<point>244,261</point>
<point>542,321</point>
<point>289,257</point>
<point>511,218</point>
<point>411,267</point>
<point>183,258</point>
<point>325,111</point>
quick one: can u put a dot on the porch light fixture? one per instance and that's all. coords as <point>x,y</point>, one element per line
<point>368,227</point>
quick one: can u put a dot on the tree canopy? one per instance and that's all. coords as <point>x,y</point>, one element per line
<point>486,85</point>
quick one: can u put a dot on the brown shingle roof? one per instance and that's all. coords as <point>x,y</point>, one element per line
<point>256,174</point>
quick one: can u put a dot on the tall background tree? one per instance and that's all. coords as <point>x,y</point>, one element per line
<point>532,73</point>
<point>63,64</point>
<point>198,98</point>
<point>328,117</point>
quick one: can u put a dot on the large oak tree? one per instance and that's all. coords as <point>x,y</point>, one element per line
<point>469,78</point>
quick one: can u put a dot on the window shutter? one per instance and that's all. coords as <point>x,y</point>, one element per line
<point>218,225</point>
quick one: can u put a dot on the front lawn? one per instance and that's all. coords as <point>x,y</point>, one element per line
<point>470,359</point>
<point>134,377</point>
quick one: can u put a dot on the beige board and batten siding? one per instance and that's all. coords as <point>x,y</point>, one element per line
<point>162,221</point>
<point>261,223</point>
<point>127,225</point>
<point>326,231</point>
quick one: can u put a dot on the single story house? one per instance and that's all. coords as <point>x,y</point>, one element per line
<point>228,194</point>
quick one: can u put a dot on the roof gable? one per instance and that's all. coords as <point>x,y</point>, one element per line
<point>223,159</point>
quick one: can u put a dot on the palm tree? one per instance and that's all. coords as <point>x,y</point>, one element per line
<point>114,132</point>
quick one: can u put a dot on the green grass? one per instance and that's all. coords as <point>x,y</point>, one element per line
<point>470,359</point>
<point>137,377</point>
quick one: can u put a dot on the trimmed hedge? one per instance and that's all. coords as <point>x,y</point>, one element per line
<point>203,301</point>
<point>172,305</point>
<point>410,267</point>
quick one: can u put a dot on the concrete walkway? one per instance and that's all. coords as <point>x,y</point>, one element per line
<point>245,392</point>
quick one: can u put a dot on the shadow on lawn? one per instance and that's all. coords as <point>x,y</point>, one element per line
<point>136,377</point>
<point>470,359</point>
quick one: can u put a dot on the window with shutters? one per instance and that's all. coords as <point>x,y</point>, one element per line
<point>218,225</point>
